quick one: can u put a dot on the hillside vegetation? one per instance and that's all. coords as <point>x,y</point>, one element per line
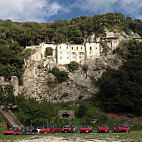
<point>119,90</point>
<point>15,36</point>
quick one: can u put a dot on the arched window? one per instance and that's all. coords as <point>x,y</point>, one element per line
<point>90,48</point>
<point>77,47</point>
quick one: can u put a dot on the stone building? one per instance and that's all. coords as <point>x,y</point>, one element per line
<point>112,42</point>
<point>63,54</point>
<point>77,53</point>
<point>92,50</point>
<point>14,82</point>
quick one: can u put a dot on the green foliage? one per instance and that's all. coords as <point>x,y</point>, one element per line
<point>32,112</point>
<point>48,51</point>
<point>15,36</point>
<point>73,66</point>
<point>26,53</point>
<point>82,110</point>
<point>105,47</point>
<point>128,49</point>
<point>1,119</point>
<point>7,97</point>
<point>93,80</point>
<point>40,66</point>
<point>52,83</point>
<point>55,71</point>
<point>134,25</point>
<point>61,76</point>
<point>85,67</point>
<point>11,62</point>
<point>74,31</point>
<point>120,90</point>
<point>137,127</point>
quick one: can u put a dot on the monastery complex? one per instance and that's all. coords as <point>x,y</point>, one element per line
<point>65,53</point>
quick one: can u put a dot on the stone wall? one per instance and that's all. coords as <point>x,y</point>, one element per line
<point>1,80</point>
<point>14,82</point>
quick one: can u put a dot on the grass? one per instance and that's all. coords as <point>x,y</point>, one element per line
<point>1,118</point>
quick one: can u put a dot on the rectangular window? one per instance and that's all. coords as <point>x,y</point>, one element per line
<point>72,48</point>
<point>61,58</point>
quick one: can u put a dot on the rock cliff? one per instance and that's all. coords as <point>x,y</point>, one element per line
<point>78,86</point>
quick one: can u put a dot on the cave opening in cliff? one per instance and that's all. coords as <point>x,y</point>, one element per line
<point>65,115</point>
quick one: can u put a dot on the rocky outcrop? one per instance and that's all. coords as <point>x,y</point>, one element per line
<point>78,86</point>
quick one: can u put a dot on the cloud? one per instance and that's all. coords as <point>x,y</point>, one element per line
<point>128,7</point>
<point>29,10</point>
<point>45,10</point>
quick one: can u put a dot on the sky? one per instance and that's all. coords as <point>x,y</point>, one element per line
<point>44,11</point>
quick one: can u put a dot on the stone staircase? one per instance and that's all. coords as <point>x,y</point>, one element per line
<point>11,119</point>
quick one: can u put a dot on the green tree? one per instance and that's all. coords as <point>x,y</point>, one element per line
<point>7,97</point>
<point>48,51</point>
<point>55,71</point>
<point>85,68</point>
<point>120,90</point>
<point>73,66</point>
<point>62,76</point>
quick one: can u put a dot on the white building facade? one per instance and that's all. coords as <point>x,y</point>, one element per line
<point>92,50</point>
<point>63,54</point>
<point>77,53</point>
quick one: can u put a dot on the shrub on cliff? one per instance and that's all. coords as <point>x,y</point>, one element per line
<point>73,66</point>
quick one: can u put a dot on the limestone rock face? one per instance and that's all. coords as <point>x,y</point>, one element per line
<point>78,86</point>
